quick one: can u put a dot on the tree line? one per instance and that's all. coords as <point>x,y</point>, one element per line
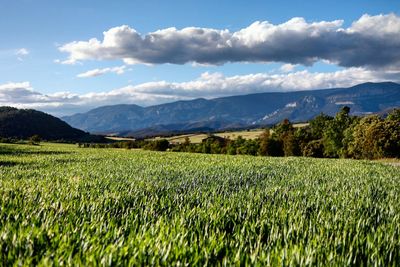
<point>343,135</point>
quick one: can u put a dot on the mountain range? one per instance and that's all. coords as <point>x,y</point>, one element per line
<point>237,111</point>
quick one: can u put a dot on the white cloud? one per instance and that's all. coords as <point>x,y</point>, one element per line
<point>208,85</point>
<point>287,67</point>
<point>97,72</point>
<point>22,52</point>
<point>371,41</point>
<point>12,86</point>
<point>380,25</point>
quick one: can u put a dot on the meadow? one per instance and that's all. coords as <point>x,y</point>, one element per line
<point>63,205</point>
<point>197,138</point>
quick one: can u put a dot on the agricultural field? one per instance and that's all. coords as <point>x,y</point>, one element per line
<point>64,205</point>
<point>116,138</point>
<point>198,137</point>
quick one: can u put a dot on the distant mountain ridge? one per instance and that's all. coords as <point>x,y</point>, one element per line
<point>24,123</point>
<point>241,110</point>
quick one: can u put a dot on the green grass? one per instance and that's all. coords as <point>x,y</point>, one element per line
<point>60,205</point>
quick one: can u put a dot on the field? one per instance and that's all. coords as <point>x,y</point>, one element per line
<point>198,137</point>
<point>70,206</point>
<point>114,138</point>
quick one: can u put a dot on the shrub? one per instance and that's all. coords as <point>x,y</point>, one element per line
<point>314,149</point>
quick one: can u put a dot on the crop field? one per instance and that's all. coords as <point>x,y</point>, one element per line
<point>198,137</point>
<point>63,205</point>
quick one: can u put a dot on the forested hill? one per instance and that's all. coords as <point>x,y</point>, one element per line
<point>24,123</point>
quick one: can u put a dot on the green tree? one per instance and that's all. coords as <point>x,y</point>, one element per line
<point>275,147</point>
<point>248,147</point>
<point>157,145</point>
<point>333,134</point>
<point>303,136</point>
<point>35,139</point>
<point>314,148</point>
<point>372,138</point>
<point>361,140</point>
<point>186,142</point>
<point>284,132</point>
<point>394,115</point>
<point>391,143</point>
<point>283,128</point>
<point>318,124</point>
<point>290,145</point>
<point>264,140</point>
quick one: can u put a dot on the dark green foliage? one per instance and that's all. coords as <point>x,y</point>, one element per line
<point>157,145</point>
<point>374,138</point>
<point>121,144</point>
<point>342,136</point>
<point>390,139</point>
<point>317,125</point>
<point>187,141</point>
<point>8,140</point>
<point>284,133</point>
<point>314,148</point>
<point>35,139</point>
<point>264,149</point>
<point>334,133</point>
<point>303,137</point>
<point>394,115</point>
<point>275,148</point>
<point>290,145</point>
<point>24,123</point>
<point>247,147</point>
<point>283,128</point>
<point>213,145</point>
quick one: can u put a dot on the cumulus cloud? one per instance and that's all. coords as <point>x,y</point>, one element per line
<point>208,85</point>
<point>97,72</point>
<point>371,41</point>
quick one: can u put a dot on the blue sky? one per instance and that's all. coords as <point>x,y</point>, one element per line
<point>34,32</point>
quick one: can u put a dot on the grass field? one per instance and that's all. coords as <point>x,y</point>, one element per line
<point>69,206</point>
<point>198,137</point>
<point>115,138</point>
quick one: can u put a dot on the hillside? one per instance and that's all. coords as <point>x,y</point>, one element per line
<point>24,123</point>
<point>239,111</point>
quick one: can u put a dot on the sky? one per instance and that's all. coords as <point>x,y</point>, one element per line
<point>64,57</point>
